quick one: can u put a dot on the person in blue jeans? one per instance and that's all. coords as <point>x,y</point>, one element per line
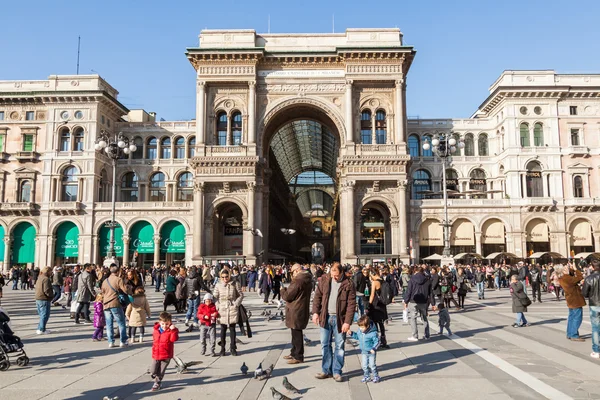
<point>591,291</point>
<point>333,310</point>
<point>43,299</point>
<point>368,342</point>
<point>569,279</point>
<point>480,282</point>
<point>519,301</point>
<point>113,310</point>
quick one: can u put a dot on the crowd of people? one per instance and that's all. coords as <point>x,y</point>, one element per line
<point>333,296</point>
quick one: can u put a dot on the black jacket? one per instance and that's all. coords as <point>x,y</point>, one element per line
<point>591,289</point>
<point>479,276</point>
<point>523,273</point>
<point>535,275</point>
<point>360,282</point>
<point>193,284</point>
<point>419,290</point>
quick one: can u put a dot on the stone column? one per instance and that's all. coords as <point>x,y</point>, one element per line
<point>349,113</point>
<point>251,112</point>
<point>374,130</point>
<point>399,116</point>
<point>259,222</point>
<point>248,236</point>
<point>478,244</point>
<point>524,185</point>
<point>199,221</point>
<point>545,188</point>
<point>229,140</point>
<point>7,248</point>
<point>403,214</point>
<point>156,248</point>
<point>125,249</point>
<point>347,217</point>
<point>394,249</point>
<point>200,111</point>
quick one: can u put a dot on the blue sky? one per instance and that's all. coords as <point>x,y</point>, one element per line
<point>138,46</point>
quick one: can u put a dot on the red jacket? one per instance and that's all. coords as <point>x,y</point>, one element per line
<point>207,311</point>
<point>163,344</point>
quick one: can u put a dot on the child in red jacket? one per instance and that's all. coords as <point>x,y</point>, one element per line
<point>207,317</point>
<point>163,346</point>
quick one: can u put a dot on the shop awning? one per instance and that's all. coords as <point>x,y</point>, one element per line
<point>172,237</point>
<point>501,254</point>
<point>586,255</point>
<point>105,241</point>
<point>460,256</point>
<point>433,257</point>
<point>142,238</point>
<point>67,240</point>
<point>542,253</point>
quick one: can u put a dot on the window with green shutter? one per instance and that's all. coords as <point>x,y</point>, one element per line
<point>2,143</point>
<point>27,142</point>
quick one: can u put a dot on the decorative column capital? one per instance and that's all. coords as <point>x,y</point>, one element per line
<point>199,187</point>
<point>7,240</point>
<point>156,238</point>
<point>200,86</point>
<point>402,184</point>
<point>125,239</point>
<point>348,186</point>
<point>400,81</point>
<point>251,186</point>
<point>349,83</point>
<point>251,84</point>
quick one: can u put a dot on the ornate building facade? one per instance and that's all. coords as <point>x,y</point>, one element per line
<point>300,149</point>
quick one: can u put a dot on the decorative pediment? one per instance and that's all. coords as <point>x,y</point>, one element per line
<point>579,166</point>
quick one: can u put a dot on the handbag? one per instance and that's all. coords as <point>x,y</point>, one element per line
<point>526,302</point>
<point>123,298</point>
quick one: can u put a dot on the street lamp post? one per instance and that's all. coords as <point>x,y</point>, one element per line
<point>444,146</point>
<point>114,146</point>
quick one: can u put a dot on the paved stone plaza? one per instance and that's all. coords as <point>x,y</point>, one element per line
<point>485,359</point>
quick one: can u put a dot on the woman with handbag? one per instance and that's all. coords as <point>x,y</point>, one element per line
<point>463,287</point>
<point>228,298</point>
<point>447,288</point>
<point>520,301</point>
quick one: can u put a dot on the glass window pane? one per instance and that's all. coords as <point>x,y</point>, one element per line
<point>524,130</point>
<point>413,145</point>
<point>26,192</point>
<point>27,142</point>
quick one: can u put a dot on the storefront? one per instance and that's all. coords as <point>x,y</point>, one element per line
<point>538,237</point>
<point>104,243</point>
<point>372,232</point>
<point>172,243</point>
<point>462,237</point>
<point>581,240</point>
<point>141,244</point>
<point>431,238</point>
<point>66,244</point>
<point>23,245</point>
<point>493,237</point>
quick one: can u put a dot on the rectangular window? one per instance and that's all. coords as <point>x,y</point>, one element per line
<point>102,119</point>
<point>574,137</point>
<point>222,138</point>
<point>237,138</point>
<point>27,142</point>
<point>366,137</point>
<point>572,110</point>
<point>29,115</point>
<point>1,115</point>
<point>2,143</point>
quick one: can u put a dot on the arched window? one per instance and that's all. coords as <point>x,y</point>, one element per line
<point>577,186</point>
<point>25,192</point>
<point>380,127</point>
<point>222,129</point>
<point>236,128</point>
<point>535,185</point>
<point>165,148</point>
<point>372,231</point>
<point>138,154</point>
<point>180,147</point>
<point>427,153</point>
<point>151,148</point>
<point>70,185</point>
<point>366,127</point>
<point>469,145</point>
<point>452,180</point>
<point>129,187</point>
<point>78,137</point>
<point>192,147</point>
<point>483,144</point>
<point>538,135</point>
<point>185,185</point>
<point>65,140</point>
<point>478,183</point>
<point>421,182</point>
<point>413,145</point>
<point>524,129</point>
<point>158,191</point>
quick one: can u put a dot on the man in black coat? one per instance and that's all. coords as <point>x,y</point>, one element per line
<point>191,290</point>
<point>297,310</point>
<point>535,279</point>
<point>417,298</point>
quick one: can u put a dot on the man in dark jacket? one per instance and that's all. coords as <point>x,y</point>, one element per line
<point>333,310</point>
<point>43,298</point>
<point>591,291</point>
<point>417,298</point>
<point>535,279</point>
<point>297,310</point>
<point>191,290</point>
<point>360,284</point>
<point>523,275</point>
<point>480,282</point>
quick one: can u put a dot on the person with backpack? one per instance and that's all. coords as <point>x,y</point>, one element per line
<point>381,297</point>
<point>417,299</point>
<point>535,280</point>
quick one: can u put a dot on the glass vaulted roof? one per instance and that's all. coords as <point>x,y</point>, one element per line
<point>305,145</point>
<point>313,201</point>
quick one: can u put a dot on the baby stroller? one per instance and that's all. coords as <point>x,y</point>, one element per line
<point>10,345</point>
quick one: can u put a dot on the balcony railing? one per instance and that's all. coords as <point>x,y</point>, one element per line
<point>226,150</point>
<point>146,205</point>
<point>17,208</point>
<point>65,207</point>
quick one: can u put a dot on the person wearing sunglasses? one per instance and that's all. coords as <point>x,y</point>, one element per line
<point>228,297</point>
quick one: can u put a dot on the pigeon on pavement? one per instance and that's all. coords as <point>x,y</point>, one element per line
<point>289,387</point>
<point>244,369</point>
<point>267,373</point>
<point>278,396</point>
<point>258,371</point>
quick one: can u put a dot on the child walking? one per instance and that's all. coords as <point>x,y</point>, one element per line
<point>99,319</point>
<point>163,347</point>
<point>207,317</point>
<point>444,318</point>
<point>368,341</point>
<point>137,312</point>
